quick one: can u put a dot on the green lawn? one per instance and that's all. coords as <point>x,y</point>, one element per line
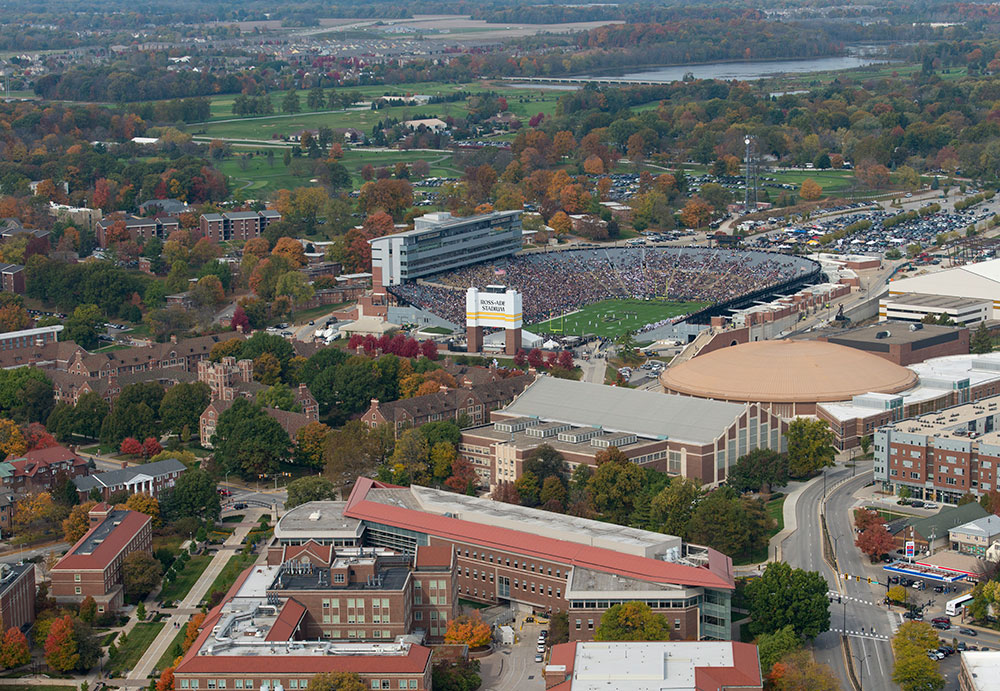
<point>312,313</point>
<point>233,568</point>
<point>171,653</point>
<point>609,318</point>
<point>179,587</point>
<point>128,654</point>
<point>257,177</point>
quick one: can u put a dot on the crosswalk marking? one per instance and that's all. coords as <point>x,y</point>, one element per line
<point>851,598</point>
<point>862,634</point>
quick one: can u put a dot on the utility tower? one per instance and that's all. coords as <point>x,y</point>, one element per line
<point>750,184</point>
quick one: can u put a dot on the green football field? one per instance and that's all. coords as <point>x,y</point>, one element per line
<point>609,318</point>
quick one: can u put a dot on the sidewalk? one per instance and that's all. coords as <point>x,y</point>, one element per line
<point>793,491</point>
<point>189,605</point>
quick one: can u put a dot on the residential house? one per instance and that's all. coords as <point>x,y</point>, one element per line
<point>93,566</point>
<point>41,470</point>
<point>148,478</point>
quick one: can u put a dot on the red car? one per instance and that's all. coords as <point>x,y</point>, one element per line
<point>223,492</point>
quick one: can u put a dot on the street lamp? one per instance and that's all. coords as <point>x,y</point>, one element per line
<point>861,670</point>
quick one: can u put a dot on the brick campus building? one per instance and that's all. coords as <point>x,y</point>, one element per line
<point>316,608</point>
<point>93,566</point>
<point>17,595</point>
<point>684,436</point>
<point>530,559</point>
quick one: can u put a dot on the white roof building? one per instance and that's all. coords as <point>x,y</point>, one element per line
<point>980,280</point>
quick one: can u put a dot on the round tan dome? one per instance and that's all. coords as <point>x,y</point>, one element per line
<point>786,372</point>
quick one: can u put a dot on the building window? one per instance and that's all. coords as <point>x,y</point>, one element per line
<point>338,578</point>
<point>77,590</point>
<point>76,577</point>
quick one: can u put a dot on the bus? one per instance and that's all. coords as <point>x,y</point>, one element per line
<point>955,607</point>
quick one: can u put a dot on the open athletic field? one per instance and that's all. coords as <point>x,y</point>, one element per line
<point>609,318</point>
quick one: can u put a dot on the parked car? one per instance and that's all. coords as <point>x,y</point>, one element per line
<point>539,657</point>
<point>941,620</point>
<point>941,626</point>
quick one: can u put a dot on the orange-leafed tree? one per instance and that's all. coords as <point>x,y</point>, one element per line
<point>696,213</point>
<point>560,223</point>
<point>290,249</point>
<point>810,190</point>
<point>78,522</point>
<point>166,680</point>
<point>191,632</point>
<point>61,649</point>
<point>14,650</point>
<point>468,629</point>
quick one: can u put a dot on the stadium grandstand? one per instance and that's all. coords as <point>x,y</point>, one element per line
<point>554,283</point>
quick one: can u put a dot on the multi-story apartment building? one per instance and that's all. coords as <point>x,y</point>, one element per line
<point>942,455</point>
<point>138,229</point>
<point>440,242</point>
<point>17,595</point>
<point>12,278</point>
<point>236,225</point>
<point>93,566</point>
<point>691,437</point>
<point>41,470</point>
<point>530,559</point>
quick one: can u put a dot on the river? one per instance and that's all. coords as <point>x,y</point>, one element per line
<point>744,71</point>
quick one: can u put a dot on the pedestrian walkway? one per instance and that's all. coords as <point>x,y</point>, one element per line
<point>863,633</point>
<point>188,606</point>
<point>793,491</point>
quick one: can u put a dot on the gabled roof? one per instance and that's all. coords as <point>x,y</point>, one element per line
<point>718,574</point>
<point>32,462</point>
<point>946,519</point>
<point>100,544</point>
<point>987,526</point>
<point>286,623</point>
<point>323,554</point>
<point>114,478</point>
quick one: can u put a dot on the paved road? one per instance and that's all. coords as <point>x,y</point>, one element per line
<point>514,668</point>
<point>803,549</point>
<point>14,557</point>
<point>861,609</point>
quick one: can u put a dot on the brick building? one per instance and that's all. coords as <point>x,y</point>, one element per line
<point>475,401</point>
<point>942,455</point>
<point>93,566</point>
<point>533,560</point>
<point>12,278</point>
<point>353,593</point>
<point>17,595</point>
<point>236,225</point>
<point>290,421</point>
<point>929,534</point>
<point>6,512</point>
<point>904,344</point>
<point>691,437</point>
<point>28,346</point>
<point>226,377</point>
<point>138,229</point>
<point>256,639</point>
<point>41,470</point>
<point>148,478</point>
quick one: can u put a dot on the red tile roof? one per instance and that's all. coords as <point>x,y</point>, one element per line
<point>744,672</point>
<point>30,463</point>
<point>288,619</point>
<point>540,547</point>
<point>429,556</point>
<point>323,553</point>
<point>103,554</point>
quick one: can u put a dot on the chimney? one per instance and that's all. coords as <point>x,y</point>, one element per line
<point>99,513</point>
<point>173,338</point>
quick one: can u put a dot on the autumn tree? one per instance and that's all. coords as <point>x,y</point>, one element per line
<point>14,651</point>
<point>61,650</point>
<point>336,681</point>
<point>810,446</point>
<point>88,609</point>
<point>913,670</point>
<point>151,447</point>
<point>11,439</point>
<point>290,249</point>
<point>191,631</point>
<point>469,629</point>
<point>130,446</point>
<point>875,541</point>
<point>144,503</point>
<point>810,190</point>
<point>310,441</point>
<point>166,680</point>
<point>797,671</point>
<point>696,213</point>
<point>78,522</point>
<point>560,223</point>
<point>141,573</point>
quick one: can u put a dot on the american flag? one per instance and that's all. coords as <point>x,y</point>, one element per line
<point>500,272</point>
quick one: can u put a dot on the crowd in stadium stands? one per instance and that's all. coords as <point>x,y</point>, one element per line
<point>556,282</point>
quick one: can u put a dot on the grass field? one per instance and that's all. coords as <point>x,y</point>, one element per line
<point>178,588</point>
<point>233,568</point>
<point>256,177</point>
<point>135,645</point>
<point>172,651</point>
<point>524,102</point>
<point>609,318</point>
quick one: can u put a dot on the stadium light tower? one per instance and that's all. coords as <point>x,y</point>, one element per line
<point>751,172</point>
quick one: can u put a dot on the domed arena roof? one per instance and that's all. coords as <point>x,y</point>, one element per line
<point>786,371</point>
